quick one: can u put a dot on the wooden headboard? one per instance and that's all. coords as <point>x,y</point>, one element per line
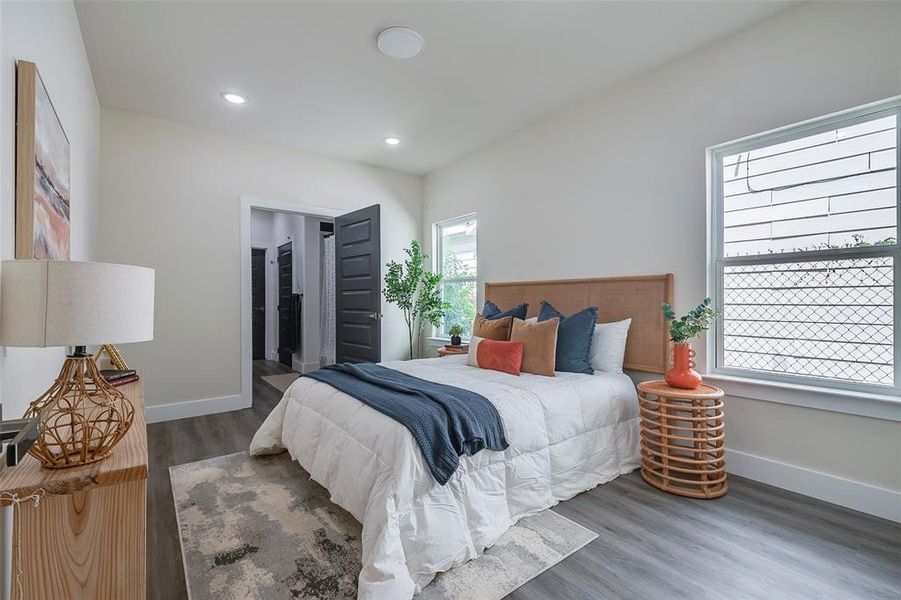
<point>617,298</point>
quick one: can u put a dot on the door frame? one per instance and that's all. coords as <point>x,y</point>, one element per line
<point>246,204</point>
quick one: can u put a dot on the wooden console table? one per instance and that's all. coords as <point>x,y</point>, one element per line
<point>87,538</point>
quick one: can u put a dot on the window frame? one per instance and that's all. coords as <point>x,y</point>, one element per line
<point>438,261</point>
<point>717,261</point>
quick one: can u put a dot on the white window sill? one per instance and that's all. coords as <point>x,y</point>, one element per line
<point>435,341</point>
<point>863,404</point>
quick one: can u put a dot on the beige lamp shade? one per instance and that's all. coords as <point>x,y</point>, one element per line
<point>68,303</point>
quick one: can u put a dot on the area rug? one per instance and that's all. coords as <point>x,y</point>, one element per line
<point>258,527</point>
<point>281,382</point>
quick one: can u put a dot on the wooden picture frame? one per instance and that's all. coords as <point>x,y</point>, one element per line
<point>42,171</point>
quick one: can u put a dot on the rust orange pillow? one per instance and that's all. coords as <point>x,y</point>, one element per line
<point>539,340</point>
<point>492,329</point>
<point>495,355</point>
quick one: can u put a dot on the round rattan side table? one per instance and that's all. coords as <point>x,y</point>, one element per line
<point>682,439</point>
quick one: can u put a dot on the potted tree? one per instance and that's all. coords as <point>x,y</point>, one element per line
<point>681,330</point>
<point>415,290</point>
<point>455,330</point>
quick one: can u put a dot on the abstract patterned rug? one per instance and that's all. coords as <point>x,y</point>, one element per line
<point>260,528</point>
<point>281,382</point>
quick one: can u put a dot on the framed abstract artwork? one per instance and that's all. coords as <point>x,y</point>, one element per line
<point>42,171</point>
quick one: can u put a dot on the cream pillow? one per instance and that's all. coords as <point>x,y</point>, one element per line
<point>608,346</point>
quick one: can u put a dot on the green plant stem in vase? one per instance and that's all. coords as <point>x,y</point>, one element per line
<point>681,329</point>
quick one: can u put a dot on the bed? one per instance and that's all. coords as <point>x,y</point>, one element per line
<point>567,434</point>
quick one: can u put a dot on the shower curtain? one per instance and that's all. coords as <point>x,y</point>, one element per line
<point>327,305</point>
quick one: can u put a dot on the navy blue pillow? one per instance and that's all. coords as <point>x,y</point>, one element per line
<point>573,338</point>
<point>491,311</point>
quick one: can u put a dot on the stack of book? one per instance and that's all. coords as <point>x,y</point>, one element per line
<point>117,377</point>
<point>461,348</point>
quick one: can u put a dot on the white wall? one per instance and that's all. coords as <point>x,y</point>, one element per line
<point>261,227</point>
<point>47,34</point>
<point>289,227</point>
<point>170,198</point>
<point>570,196</point>
<point>311,259</point>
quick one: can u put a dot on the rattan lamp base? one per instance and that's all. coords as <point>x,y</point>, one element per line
<point>82,416</point>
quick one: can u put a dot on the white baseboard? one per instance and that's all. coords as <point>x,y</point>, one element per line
<point>863,497</point>
<point>194,408</point>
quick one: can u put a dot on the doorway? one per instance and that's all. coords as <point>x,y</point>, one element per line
<point>290,268</point>
<point>304,325</point>
<point>258,298</point>
<point>288,307</point>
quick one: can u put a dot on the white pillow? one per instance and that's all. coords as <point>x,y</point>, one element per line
<point>532,320</point>
<point>608,346</point>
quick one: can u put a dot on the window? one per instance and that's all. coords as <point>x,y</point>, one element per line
<point>455,260</point>
<point>805,251</point>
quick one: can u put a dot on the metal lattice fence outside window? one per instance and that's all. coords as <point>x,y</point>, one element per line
<point>830,319</point>
<point>805,241</point>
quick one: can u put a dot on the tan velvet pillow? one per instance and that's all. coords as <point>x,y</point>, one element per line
<point>539,352</point>
<point>492,329</point>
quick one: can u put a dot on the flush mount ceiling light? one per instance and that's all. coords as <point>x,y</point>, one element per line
<point>392,141</point>
<point>400,42</point>
<point>233,98</point>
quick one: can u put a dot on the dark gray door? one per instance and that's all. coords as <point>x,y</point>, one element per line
<point>358,282</point>
<point>258,301</point>
<point>285,309</point>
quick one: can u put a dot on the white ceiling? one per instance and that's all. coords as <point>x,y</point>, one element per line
<point>316,81</point>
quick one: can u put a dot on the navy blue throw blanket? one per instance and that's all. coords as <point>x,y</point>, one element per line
<point>445,421</point>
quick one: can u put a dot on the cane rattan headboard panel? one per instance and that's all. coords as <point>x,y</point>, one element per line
<point>617,298</point>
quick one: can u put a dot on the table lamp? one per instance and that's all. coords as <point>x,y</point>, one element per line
<point>68,303</point>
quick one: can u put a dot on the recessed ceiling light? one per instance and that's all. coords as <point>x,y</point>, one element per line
<point>233,98</point>
<point>400,42</point>
<point>392,141</point>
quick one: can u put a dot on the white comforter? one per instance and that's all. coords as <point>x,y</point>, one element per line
<point>566,433</point>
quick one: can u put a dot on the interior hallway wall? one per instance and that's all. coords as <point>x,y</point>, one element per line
<point>312,262</point>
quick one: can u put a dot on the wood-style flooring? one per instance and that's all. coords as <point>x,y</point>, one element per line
<point>755,542</point>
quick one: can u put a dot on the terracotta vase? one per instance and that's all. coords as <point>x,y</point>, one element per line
<point>683,375</point>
